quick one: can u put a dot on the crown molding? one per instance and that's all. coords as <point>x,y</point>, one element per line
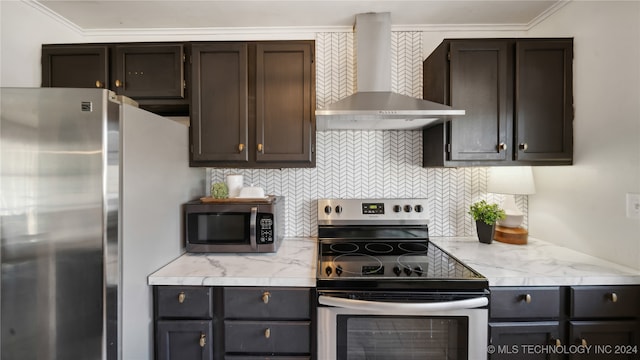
<point>280,33</point>
<point>550,11</point>
<point>54,15</point>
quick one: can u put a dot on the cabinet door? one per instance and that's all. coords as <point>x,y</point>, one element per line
<point>511,340</point>
<point>75,66</point>
<point>184,340</point>
<point>604,340</point>
<point>480,80</point>
<point>544,100</point>
<point>219,115</point>
<point>285,99</point>
<point>149,71</point>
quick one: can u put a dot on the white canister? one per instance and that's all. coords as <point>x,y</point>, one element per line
<point>235,184</point>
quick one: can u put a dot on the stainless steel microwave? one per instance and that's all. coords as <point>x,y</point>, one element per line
<point>234,225</point>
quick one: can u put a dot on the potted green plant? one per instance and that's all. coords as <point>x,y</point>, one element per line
<point>486,215</point>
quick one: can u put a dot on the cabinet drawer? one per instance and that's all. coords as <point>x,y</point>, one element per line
<point>281,337</point>
<point>184,302</point>
<point>266,303</point>
<point>605,301</point>
<point>524,302</point>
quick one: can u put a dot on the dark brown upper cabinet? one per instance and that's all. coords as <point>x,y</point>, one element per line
<point>518,98</point>
<point>253,104</point>
<point>153,74</point>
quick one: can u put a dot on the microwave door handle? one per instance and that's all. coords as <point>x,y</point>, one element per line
<point>253,228</point>
<point>391,306</point>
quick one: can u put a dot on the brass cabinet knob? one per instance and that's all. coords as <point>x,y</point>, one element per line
<point>99,84</point>
<point>265,297</point>
<point>118,83</point>
<point>260,147</point>
<point>203,340</point>
<point>267,333</point>
<point>240,147</point>
<point>523,146</point>
<point>181,297</point>
<point>613,297</point>
<point>558,343</point>
<point>502,146</point>
<point>526,298</point>
<point>583,342</point>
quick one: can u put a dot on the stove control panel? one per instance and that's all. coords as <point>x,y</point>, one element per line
<point>372,208</point>
<point>354,210</point>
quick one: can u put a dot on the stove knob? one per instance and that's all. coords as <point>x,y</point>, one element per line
<point>418,270</point>
<point>339,270</point>
<point>407,208</point>
<point>338,209</point>
<point>418,208</point>
<point>397,271</point>
<point>327,209</point>
<point>328,270</point>
<point>407,270</point>
<point>397,208</point>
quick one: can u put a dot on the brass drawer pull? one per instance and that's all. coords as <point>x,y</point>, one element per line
<point>118,83</point>
<point>267,333</point>
<point>526,298</point>
<point>203,340</point>
<point>99,84</point>
<point>523,146</point>
<point>181,297</point>
<point>558,343</point>
<point>240,147</point>
<point>583,342</point>
<point>613,297</point>
<point>265,297</point>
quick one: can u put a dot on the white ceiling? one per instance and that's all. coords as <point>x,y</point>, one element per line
<point>179,14</point>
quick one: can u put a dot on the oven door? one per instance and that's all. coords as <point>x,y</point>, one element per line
<point>358,329</point>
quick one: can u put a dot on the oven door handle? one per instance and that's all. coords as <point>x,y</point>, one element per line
<point>394,306</point>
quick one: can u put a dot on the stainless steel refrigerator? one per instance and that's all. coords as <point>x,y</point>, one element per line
<point>90,204</point>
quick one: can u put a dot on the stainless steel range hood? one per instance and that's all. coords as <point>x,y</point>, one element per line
<point>374,106</point>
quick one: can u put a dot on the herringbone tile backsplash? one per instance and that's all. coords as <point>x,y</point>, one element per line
<point>371,164</point>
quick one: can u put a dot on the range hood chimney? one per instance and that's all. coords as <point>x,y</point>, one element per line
<point>374,106</point>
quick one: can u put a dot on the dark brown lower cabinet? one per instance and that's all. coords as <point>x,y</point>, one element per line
<point>184,340</point>
<point>215,323</point>
<point>605,339</point>
<point>566,322</point>
<point>524,340</point>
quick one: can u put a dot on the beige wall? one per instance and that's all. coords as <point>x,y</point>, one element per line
<point>583,206</point>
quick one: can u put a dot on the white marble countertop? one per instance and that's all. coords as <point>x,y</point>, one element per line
<point>293,265</point>
<point>537,263</point>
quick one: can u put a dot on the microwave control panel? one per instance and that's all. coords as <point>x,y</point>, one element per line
<point>265,222</point>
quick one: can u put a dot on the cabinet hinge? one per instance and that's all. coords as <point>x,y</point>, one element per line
<point>191,148</point>
<point>448,55</point>
<point>184,57</point>
<point>184,84</point>
<point>449,148</point>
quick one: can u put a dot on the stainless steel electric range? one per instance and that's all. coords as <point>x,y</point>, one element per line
<point>386,292</point>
